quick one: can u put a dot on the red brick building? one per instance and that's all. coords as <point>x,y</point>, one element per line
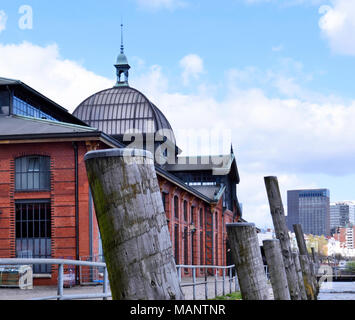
<point>46,208</point>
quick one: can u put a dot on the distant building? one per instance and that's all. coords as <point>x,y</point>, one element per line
<point>345,235</point>
<point>311,209</point>
<point>342,214</point>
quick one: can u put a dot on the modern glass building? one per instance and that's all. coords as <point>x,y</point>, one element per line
<point>342,214</point>
<point>311,209</point>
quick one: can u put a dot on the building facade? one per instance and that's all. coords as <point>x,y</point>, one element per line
<point>342,214</point>
<point>345,235</point>
<point>311,209</point>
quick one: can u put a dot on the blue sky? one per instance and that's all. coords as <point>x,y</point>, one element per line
<point>278,74</point>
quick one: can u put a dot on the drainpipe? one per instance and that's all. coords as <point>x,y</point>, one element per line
<point>75,146</point>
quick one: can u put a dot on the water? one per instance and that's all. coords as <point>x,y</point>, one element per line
<point>337,291</point>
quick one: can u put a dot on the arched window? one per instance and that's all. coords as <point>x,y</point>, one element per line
<point>32,173</point>
<point>176,207</point>
<point>185,210</point>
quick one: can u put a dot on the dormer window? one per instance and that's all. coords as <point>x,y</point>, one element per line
<point>23,108</point>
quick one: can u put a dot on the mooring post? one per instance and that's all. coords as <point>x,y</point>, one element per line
<point>315,267</point>
<point>276,268</point>
<point>308,279</point>
<point>248,261</point>
<point>296,260</point>
<point>315,261</point>
<point>281,231</point>
<point>133,226</point>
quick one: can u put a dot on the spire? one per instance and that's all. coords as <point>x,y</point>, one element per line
<point>122,65</point>
<point>122,47</point>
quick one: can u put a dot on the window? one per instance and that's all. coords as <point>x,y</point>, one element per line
<point>201,249</point>
<point>176,243</point>
<point>23,108</point>
<point>163,197</point>
<point>32,173</point>
<point>186,253</point>
<point>185,210</point>
<point>193,247</point>
<point>33,231</point>
<point>192,214</point>
<point>201,218</point>
<point>176,207</point>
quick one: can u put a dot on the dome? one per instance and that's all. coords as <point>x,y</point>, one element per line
<point>116,110</point>
<point>122,59</point>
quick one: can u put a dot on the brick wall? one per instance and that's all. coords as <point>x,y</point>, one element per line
<point>62,199</point>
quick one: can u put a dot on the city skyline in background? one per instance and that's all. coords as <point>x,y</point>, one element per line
<point>277,75</point>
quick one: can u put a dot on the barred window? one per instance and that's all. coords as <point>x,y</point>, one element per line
<point>33,231</point>
<point>32,173</point>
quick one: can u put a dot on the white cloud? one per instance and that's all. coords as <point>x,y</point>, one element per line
<point>192,66</point>
<point>42,68</point>
<point>288,137</point>
<point>338,25</point>
<point>161,4</point>
<point>292,138</point>
<point>3,20</point>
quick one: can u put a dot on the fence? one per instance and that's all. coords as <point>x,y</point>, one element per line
<point>230,277</point>
<point>91,275</point>
<point>61,263</point>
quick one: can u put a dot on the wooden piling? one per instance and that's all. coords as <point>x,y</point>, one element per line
<point>276,269</point>
<point>281,231</point>
<point>315,261</point>
<point>296,260</point>
<point>306,266</point>
<point>248,261</point>
<point>133,226</point>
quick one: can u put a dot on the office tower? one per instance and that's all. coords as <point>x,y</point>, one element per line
<point>311,209</point>
<point>342,214</point>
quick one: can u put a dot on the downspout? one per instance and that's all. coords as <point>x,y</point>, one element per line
<point>75,146</point>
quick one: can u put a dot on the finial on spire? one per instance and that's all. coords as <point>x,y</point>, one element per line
<point>122,47</point>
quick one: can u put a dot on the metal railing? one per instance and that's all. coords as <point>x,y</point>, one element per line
<point>60,287</point>
<point>228,276</point>
<point>215,271</point>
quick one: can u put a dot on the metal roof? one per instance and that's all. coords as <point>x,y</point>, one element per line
<point>119,109</point>
<point>21,125</point>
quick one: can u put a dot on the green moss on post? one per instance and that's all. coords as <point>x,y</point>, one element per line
<point>133,226</point>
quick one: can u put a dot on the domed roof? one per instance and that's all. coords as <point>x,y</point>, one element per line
<point>119,109</point>
<point>121,59</point>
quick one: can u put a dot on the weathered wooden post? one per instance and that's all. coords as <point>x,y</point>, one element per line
<point>308,279</point>
<point>296,260</point>
<point>248,261</point>
<point>281,231</point>
<point>276,268</point>
<point>133,226</point>
<point>315,261</point>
